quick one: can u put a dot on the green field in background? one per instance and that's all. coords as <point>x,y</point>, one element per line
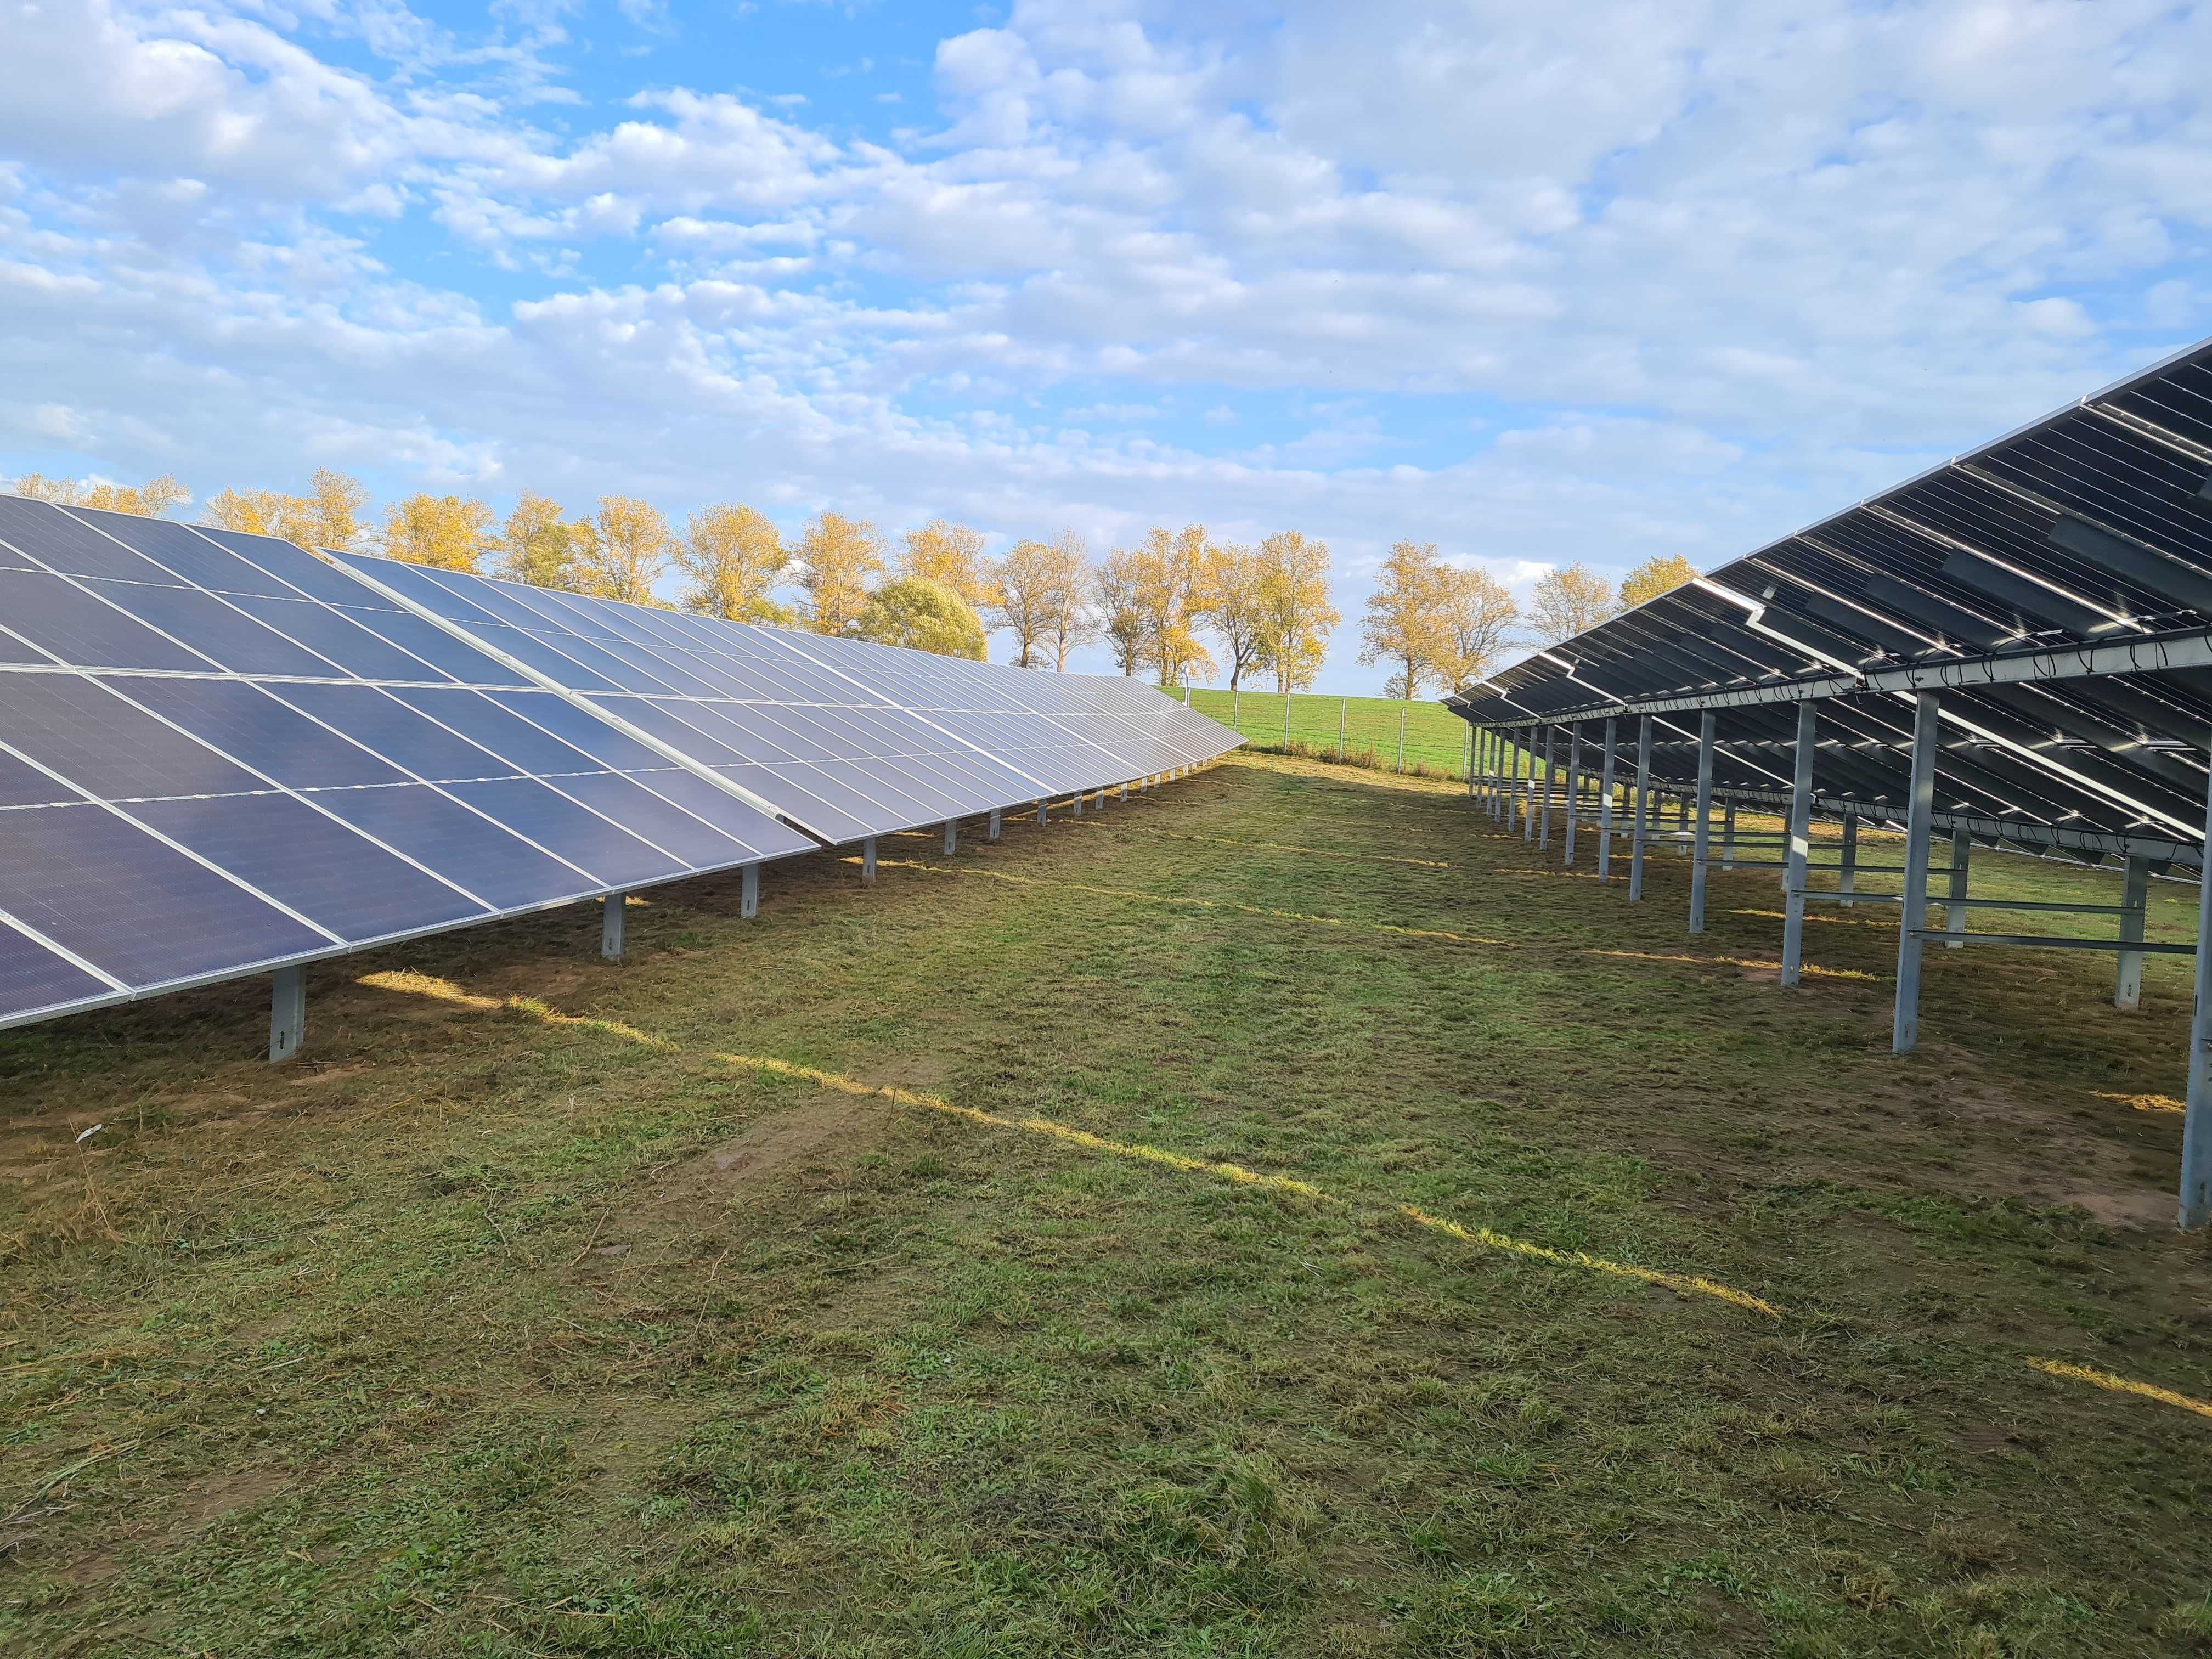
<point>1435,738</point>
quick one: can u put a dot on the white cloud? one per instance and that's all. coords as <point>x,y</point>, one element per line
<point>1649,277</point>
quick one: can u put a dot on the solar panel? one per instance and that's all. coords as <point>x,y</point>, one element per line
<point>2056,585</point>
<point>844,738</point>
<point>221,755</point>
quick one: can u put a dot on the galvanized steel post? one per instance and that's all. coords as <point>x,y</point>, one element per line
<point>1800,831</point>
<point>749,893</point>
<point>1528,802</point>
<point>1920,812</point>
<point>1702,833</point>
<point>1544,835</point>
<point>1574,788</point>
<point>2196,1125</point>
<point>611,926</point>
<point>1847,878</point>
<point>1636,832</point>
<point>1954,914</point>
<point>868,859</point>
<point>288,1013</point>
<point>2135,895</point>
<point>1727,836</point>
<point>1605,807</point>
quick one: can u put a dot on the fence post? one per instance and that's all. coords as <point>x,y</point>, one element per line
<point>1402,736</point>
<point>1236,710</point>
<point>1341,704</point>
<point>1286,720</point>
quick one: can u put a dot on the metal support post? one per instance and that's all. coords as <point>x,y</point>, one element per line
<point>1920,812</point>
<point>868,859</point>
<point>991,830</point>
<point>2196,1125</point>
<point>1699,848</point>
<point>749,895</point>
<point>1955,915</point>
<point>1574,788</point>
<point>2134,895</point>
<point>1125,792</point>
<point>1528,804</point>
<point>1637,828</point>
<point>1727,836</point>
<point>1075,805</point>
<point>1605,807</point>
<point>1544,835</point>
<point>1041,810</point>
<point>288,1014</point>
<point>951,836</point>
<point>1801,831</point>
<point>1847,877</point>
<point>610,925</point>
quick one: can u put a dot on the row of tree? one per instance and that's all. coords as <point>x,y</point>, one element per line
<point>1157,605</point>
<point>1443,627</point>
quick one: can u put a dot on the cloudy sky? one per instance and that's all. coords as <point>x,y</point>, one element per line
<point>1534,283</point>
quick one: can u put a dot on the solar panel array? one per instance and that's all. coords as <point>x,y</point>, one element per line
<point>220,754</point>
<point>846,738</point>
<point>2055,586</point>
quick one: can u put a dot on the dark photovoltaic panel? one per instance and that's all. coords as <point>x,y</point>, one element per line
<point>846,738</point>
<point>220,754</point>
<point>2055,587</point>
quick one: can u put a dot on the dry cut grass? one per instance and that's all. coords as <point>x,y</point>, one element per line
<point>1280,1216</point>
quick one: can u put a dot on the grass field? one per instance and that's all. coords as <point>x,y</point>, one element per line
<point>1282,1215</point>
<point>1436,738</point>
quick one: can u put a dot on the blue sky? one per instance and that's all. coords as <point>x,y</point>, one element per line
<point>1534,283</point>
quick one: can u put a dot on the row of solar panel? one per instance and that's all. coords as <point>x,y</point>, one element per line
<point>219,753</point>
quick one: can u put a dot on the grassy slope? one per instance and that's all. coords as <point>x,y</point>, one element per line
<point>489,1328</point>
<point>1434,736</point>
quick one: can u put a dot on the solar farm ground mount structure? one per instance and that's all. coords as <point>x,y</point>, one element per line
<point>223,755</point>
<point>2013,648</point>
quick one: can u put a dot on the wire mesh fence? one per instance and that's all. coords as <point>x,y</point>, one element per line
<point>1424,739</point>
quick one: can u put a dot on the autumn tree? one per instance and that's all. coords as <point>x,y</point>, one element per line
<point>1115,586</point>
<point>1662,573</point>
<point>149,500</point>
<point>922,615</point>
<point>1071,622</point>
<point>733,557</point>
<point>628,552</point>
<point>1238,613</point>
<point>1402,623</point>
<point>1172,599</point>
<point>1476,617</point>
<point>951,555</point>
<point>328,516</point>
<point>1568,601</point>
<point>1025,597</point>
<point>537,549</point>
<point>840,559</point>
<point>452,533</point>
<point>1295,614</point>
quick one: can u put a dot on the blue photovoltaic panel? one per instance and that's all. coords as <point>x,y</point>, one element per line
<point>267,743</point>
<point>33,979</point>
<point>107,748</point>
<point>71,626</point>
<point>817,742</point>
<point>303,753</point>
<point>246,722</point>
<point>118,898</point>
<point>461,845</point>
<point>319,867</point>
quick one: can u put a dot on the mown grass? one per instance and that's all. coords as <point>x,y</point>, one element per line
<point>1362,730</point>
<point>1234,1265</point>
